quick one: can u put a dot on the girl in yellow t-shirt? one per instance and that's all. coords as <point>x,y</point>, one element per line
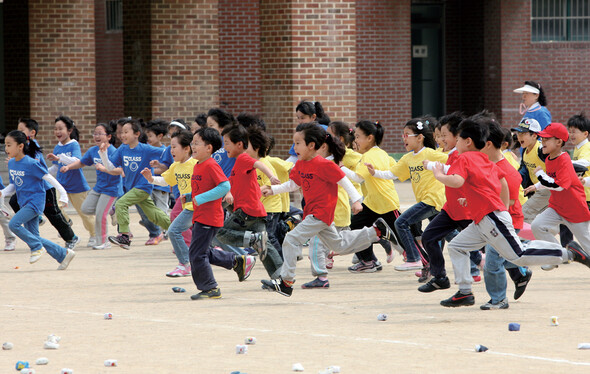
<point>430,193</point>
<point>179,173</point>
<point>380,196</point>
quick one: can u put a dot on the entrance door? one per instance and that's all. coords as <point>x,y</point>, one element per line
<point>427,60</point>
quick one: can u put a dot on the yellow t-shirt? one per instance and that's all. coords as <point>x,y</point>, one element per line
<point>426,188</point>
<point>532,161</point>
<point>351,160</point>
<point>583,153</point>
<point>380,194</point>
<point>282,168</point>
<point>441,149</point>
<point>512,161</point>
<point>180,174</point>
<point>272,203</point>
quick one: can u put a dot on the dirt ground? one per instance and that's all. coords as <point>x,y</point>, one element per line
<point>154,330</point>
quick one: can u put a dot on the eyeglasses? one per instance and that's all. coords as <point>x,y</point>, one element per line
<point>409,135</point>
<point>99,134</point>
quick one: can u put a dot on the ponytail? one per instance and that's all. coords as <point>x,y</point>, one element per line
<point>30,147</point>
<point>336,148</point>
<point>371,128</point>
<point>341,130</point>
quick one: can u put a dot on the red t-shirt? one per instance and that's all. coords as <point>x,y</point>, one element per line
<point>245,188</point>
<point>206,176</point>
<point>570,203</point>
<point>514,179</point>
<point>452,206</point>
<point>318,179</point>
<point>482,184</point>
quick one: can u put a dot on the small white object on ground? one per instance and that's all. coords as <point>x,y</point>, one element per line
<point>241,349</point>
<point>584,346</point>
<point>7,346</point>
<point>27,371</point>
<point>297,367</point>
<point>110,363</point>
<point>334,368</point>
<point>554,321</point>
<point>108,316</point>
<point>67,371</point>
<point>50,345</point>
<point>42,361</point>
<point>382,317</point>
<point>250,340</point>
<point>53,338</point>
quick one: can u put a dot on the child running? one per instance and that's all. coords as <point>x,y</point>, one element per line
<point>64,153</point>
<point>319,180</point>
<point>486,196</point>
<point>107,188</point>
<point>209,186</point>
<point>179,174</point>
<point>27,177</point>
<point>133,156</point>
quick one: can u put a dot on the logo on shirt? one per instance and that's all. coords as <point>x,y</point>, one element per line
<point>415,173</point>
<point>552,174</point>
<point>217,157</point>
<point>182,181</point>
<point>16,176</point>
<point>131,162</point>
<point>97,160</point>
<point>195,177</point>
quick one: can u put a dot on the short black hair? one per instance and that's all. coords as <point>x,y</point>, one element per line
<point>210,136</point>
<point>478,133</point>
<point>579,121</point>
<point>30,124</point>
<point>495,133</point>
<point>157,126</point>
<point>201,119</point>
<point>236,133</point>
<point>452,121</point>
<point>222,117</point>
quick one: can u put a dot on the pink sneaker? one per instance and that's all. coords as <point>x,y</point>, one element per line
<point>409,266</point>
<point>156,240</point>
<point>180,271</point>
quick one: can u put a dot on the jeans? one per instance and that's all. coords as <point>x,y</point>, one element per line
<point>495,274</point>
<point>25,224</point>
<point>272,223</point>
<point>202,256</point>
<point>180,224</point>
<point>414,214</point>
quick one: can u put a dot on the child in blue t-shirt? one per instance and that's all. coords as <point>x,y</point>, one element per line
<point>64,153</point>
<point>27,178</point>
<point>133,156</point>
<point>219,119</point>
<point>108,187</point>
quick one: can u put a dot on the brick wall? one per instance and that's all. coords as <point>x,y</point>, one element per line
<point>383,66</point>
<point>16,62</point>
<point>560,68</point>
<point>109,68</point>
<point>240,88</point>
<point>62,65</point>
<point>185,60</point>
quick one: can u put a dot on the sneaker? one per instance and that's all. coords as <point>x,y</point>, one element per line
<point>249,251</point>
<point>155,240</point>
<point>36,255</point>
<point>578,254</point>
<point>93,241</point>
<point>329,263</point>
<point>180,271</point>
<point>69,256</point>
<point>105,245</point>
<point>71,244</point>
<point>214,293</point>
<point>363,267</point>
<point>476,278</point>
<point>435,284</point>
<point>549,267</point>
<point>520,285</point>
<point>258,243</point>
<point>390,256</point>
<point>459,299</point>
<point>277,285</point>
<point>378,265</point>
<point>316,283</point>
<point>244,266</point>
<point>121,240</point>
<point>425,275</point>
<point>406,266</point>
<point>10,245</point>
<point>489,305</point>
<point>165,232</point>
<point>385,232</point>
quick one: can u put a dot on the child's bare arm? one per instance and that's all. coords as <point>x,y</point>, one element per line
<point>453,181</point>
<point>266,170</point>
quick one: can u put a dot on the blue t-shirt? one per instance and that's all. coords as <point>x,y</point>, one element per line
<point>39,157</point>
<point>27,176</point>
<point>168,160</point>
<point>111,185</point>
<point>226,162</point>
<point>540,113</point>
<point>133,161</point>
<point>72,180</point>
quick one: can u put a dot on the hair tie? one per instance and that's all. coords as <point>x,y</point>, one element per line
<point>376,123</point>
<point>419,126</point>
<point>28,139</point>
<point>427,122</point>
<point>351,131</point>
<point>328,135</point>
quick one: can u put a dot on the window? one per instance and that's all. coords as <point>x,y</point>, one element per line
<point>114,15</point>
<point>560,21</point>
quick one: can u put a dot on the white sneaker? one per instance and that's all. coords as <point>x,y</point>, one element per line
<point>93,241</point>
<point>69,256</point>
<point>406,266</point>
<point>36,255</point>
<point>105,245</point>
<point>10,244</point>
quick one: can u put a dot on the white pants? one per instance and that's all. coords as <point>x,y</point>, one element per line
<point>535,205</point>
<point>496,230</point>
<point>546,226</point>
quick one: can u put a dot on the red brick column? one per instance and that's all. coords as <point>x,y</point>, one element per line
<point>62,65</point>
<point>185,60</point>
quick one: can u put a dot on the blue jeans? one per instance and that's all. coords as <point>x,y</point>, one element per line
<point>25,224</point>
<point>414,214</point>
<point>495,274</point>
<point>152,228</point>
<point>181,223</point>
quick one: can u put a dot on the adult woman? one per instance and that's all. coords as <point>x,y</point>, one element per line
<point>534,103</point>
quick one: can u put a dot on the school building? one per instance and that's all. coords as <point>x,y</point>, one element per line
<point>386,60</point>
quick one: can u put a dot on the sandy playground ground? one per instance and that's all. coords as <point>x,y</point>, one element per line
<point>154,330</point>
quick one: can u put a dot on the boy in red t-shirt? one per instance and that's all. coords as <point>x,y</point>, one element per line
<point>246,225</point>
<point>209,185</point>
<point>486,196</point>
<point>567,204</point>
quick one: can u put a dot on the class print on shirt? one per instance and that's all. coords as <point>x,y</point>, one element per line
<point>16,176</point>
<point>415,173</point>
<point>131,162</point>
<point>182,180</point>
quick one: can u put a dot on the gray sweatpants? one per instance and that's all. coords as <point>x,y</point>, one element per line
<point>536,204</point>
<point>496,230</point>
<point>546,226</point>
<point>98,205</point>
<point>344,242</point>
<point>318,253</point>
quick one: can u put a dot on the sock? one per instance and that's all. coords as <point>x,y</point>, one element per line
<point>323,279</point>
<point>465,292</point>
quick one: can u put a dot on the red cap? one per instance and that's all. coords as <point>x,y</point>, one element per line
<point>555,130</point>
